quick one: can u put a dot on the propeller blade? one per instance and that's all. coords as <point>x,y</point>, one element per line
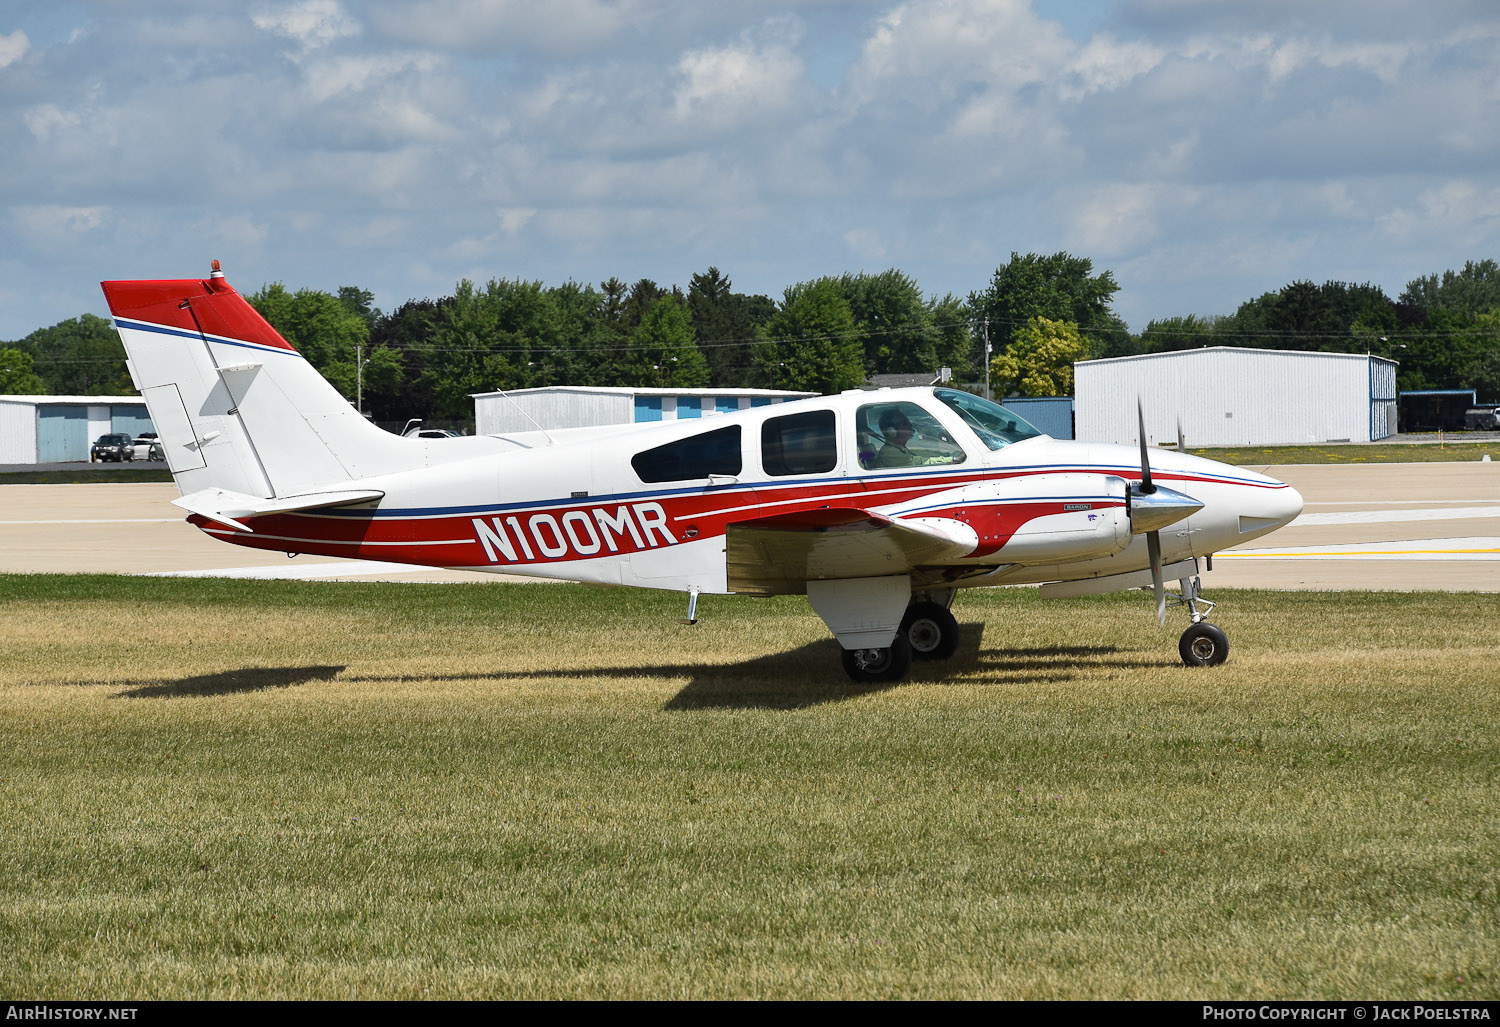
<point>1146,486</point>
<point>1153,547</point>
<point>1181,444</point>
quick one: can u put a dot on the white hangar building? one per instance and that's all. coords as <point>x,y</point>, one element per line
<point>1226,396</point>
<point>580,406</point>
<point>56,429</point>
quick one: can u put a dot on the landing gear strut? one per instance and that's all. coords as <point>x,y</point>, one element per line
<point>1202,644</point>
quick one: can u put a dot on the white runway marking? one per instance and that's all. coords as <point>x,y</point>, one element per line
<point>1450,513</point>
<point>1474,547</point>
<point>110,520</point>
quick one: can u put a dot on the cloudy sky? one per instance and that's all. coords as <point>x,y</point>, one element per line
<point>1203,150</point>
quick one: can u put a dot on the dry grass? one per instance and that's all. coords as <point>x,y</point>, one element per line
<point>365,790</point>
<point>1435,451</point>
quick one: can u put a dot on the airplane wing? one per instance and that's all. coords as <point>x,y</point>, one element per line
<point>779,555</point>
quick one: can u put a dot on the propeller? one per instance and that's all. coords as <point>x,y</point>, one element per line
<point>1153,537</point>
<point>1152,508</point>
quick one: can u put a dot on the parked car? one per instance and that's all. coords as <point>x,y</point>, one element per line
<point>146,447</point>
<point>430,433</point>
<point>1484,418</point>
<point>117,447</point>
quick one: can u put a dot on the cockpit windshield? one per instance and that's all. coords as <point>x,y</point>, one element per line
<point>996,426</point>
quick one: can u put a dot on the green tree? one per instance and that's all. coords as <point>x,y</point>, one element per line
<point>16,377</point>
<point>894,323</point>
<point>321,328</point>
<point>663,353</point>
<point>333,335</point>
<point>811,344</point>
<point>955,343</point>
<point>408,331</point>
<point>361,302</point>
<point>580,351</point>
<point>1178,333</point>
<point>1039,360</point>
<point>725,323</point>
<point>1474,290</point>
<point>1061,287</point>
<point>79,357</point>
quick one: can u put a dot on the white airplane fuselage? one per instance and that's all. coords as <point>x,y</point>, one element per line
<point>574,509</point>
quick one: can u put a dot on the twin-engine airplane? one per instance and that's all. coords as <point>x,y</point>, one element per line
<point>878,506</point>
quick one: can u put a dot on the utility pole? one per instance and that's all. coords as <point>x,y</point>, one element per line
<point>986,329</point>
<point>359,378</point>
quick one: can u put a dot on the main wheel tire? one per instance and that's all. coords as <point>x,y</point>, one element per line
<point>931,631</point>
<point>1203,645</point>
<point>870,666</point>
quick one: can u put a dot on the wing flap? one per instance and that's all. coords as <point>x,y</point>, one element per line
<point>779,555</point>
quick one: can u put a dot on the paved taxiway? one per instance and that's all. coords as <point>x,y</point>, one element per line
<point>1378,526</point>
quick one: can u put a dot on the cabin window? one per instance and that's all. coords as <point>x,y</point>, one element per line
<point>902,435</point>
<point>698,456</point>
<point>799,444</point>
<point>996,426</point>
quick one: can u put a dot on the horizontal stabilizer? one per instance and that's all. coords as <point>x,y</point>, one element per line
<point>225,507</point>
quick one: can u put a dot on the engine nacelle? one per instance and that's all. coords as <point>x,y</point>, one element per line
<point>1039,518</point>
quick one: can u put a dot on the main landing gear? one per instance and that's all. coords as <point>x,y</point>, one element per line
<point>928,631</point>
<point>1202,644</point>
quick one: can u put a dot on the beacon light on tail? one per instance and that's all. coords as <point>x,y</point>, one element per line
<point>879,506</point>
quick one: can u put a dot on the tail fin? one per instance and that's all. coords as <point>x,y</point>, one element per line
<point>235,406</point>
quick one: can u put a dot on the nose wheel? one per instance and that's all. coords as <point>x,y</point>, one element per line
<point>1202,644</point>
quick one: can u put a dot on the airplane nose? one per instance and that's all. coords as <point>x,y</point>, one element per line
<point>1273,508</point>
<point>1288,504</point>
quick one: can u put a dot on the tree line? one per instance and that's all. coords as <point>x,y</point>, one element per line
<point>1037,315</point>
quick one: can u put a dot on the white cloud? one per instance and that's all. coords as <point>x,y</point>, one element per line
<point>865,243</point>
<point>1106,64</point>
<point>1460,213</point>
<point>555,28</point>
<point>941,48</point>
<point>752,79</point>
<point>13,47</point>
<point>1198,150</point>
<point>513,219</point>
<point>313,23</point>
<point>1118,218</point>
<point>46,119</point>
<point>55,222</point>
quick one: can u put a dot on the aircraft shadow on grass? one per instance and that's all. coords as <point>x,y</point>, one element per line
<point>796,679</point>
<point>800,677</point>
<point>231,682</point>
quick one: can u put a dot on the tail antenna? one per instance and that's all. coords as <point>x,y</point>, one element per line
<point>550,440</point>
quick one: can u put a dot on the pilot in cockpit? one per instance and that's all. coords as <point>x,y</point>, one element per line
<point>910,437</point>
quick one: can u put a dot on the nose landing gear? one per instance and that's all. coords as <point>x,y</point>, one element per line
<point>1202,644</point>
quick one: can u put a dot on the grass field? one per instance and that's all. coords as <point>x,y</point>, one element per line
<point>279,789</point>
<point>1376,453</point>
<point>90,476</point>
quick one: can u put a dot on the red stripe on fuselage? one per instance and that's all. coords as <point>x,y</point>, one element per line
<point>568,531</point>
